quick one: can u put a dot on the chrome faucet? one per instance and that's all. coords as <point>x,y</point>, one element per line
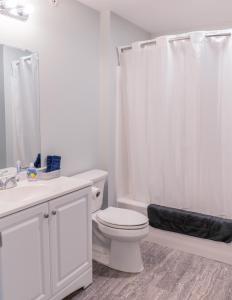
<point>8,178</point>
<point>7,183</point>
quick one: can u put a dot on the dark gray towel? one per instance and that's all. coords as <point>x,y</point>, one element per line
<point>190,223</point>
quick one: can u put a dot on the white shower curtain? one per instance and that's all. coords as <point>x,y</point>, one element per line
<point>175,117</point>
<point>25,109</point>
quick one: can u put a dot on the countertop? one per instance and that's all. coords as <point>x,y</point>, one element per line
<point>28,194</point>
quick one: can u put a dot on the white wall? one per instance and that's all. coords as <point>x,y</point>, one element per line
<point>120,32</point>
<point>2,114</point>
<point>67,40</point>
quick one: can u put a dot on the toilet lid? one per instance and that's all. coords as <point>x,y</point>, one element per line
<point>121,218</point>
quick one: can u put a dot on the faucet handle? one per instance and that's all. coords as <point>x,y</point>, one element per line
<point>8,176</point>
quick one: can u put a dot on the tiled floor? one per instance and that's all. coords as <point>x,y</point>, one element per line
<point>169,275</point>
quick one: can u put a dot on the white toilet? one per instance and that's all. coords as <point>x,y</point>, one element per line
<point>117,232</point>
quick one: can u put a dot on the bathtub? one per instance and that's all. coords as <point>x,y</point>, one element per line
<point>210,249</point>
<point>126,202</point>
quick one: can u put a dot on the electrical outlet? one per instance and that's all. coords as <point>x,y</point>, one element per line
<point>54,2</point>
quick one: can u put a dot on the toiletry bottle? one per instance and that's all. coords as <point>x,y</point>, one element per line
<point>18,168</point>
<point>31,172</point>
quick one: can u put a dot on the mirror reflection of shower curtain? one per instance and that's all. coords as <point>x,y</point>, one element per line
<point>176,124</point>
<point>25,110</point>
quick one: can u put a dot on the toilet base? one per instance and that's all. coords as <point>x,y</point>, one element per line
<point>126,256</point>
<point>118,249</point>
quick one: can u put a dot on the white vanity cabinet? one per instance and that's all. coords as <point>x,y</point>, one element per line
<point>71,238</point>
<point>24,255</point>
<point>45,250</point>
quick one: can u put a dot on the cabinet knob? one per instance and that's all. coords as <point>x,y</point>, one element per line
<point>54,212</point>
<point>46,216</point>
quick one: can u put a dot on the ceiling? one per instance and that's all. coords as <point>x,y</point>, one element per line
<point>170,16</point>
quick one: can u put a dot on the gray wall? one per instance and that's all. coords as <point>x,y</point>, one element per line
<point>124,32</point>
<point>2,114</point>
<point>67,40</point>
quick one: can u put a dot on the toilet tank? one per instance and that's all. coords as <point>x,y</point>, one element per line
<point>98,178</point>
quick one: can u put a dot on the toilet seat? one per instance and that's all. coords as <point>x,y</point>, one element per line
<point>120,218</point>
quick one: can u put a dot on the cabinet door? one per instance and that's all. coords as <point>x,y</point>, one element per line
<point>24,255</point>
<point>71,237</point>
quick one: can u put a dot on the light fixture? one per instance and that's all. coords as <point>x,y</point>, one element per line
<point>16,9</point>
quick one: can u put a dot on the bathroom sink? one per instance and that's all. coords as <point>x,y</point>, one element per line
<point>24,192</point>
<point>30,193</point>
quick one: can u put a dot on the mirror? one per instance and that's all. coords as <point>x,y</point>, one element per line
<point>19,107</point>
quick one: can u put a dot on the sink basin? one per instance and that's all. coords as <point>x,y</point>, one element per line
<point>24,192</point>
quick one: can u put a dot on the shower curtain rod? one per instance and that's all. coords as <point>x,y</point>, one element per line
<point>25,58</point>
<point>188,37</point>
<point>153,42</point>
